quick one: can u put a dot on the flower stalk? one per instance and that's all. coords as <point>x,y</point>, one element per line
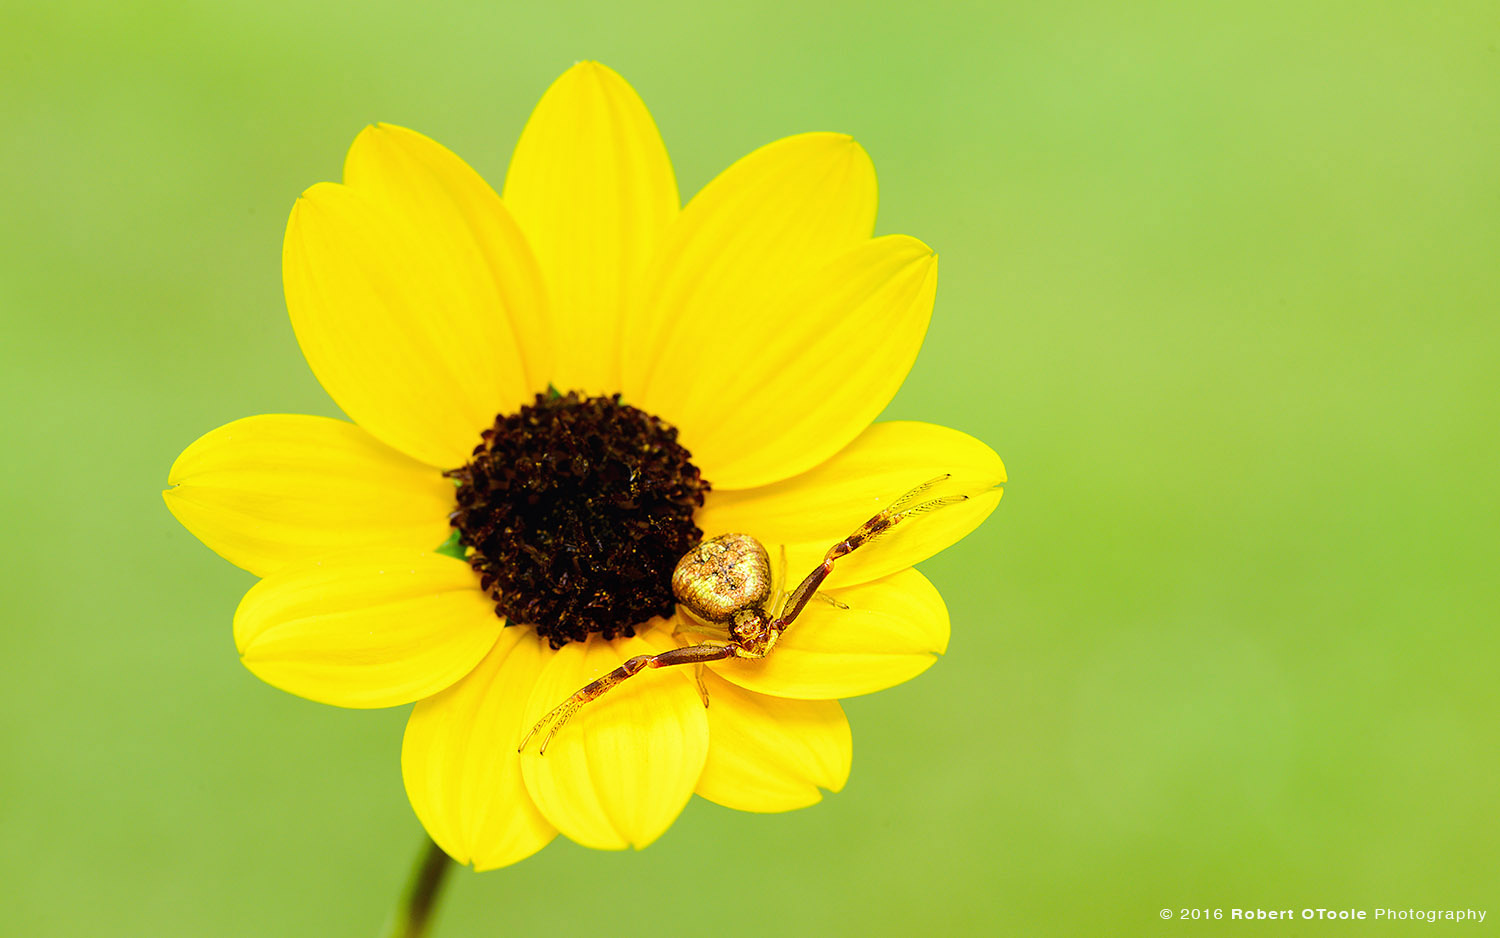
<point>413,917</point>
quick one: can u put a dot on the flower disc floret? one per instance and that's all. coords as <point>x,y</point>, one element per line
<point>574,511</point>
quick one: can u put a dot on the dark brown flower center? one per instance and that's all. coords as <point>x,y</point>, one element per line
<point>574,512</point>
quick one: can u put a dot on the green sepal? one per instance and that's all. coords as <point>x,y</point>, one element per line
<point>453,548</point>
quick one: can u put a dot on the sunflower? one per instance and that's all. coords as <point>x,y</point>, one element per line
<point>569,385</point>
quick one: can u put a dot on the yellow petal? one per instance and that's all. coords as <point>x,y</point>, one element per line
<point>770,753</point>
<point>591,185</point>
<point>369,628</point>
<point>784,390</point>
<point>621,770</point>
<point>775,216</point>
<point>813,511</point>
<point>266,491</point>
<point>459,759</point>
<point>436,196</point>
<point>394,328</point>
<point>889,634</point>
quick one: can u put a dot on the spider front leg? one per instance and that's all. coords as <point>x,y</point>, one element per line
<point>559,715</point>
<point>881,523</point>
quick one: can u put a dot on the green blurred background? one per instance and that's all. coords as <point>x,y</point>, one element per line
<point>1219,282</point>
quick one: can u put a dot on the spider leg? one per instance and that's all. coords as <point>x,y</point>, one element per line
<point>719,632</point>
<point>828,598</point>
<point>778,584</point>
<point>906,506</point>
<point>702,684</point>
<point>910,498</point>
<point>559,715</point>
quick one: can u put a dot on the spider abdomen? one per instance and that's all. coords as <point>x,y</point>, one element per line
<point>722,576</point>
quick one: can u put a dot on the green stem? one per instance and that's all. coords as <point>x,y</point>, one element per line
<point>414,915</point>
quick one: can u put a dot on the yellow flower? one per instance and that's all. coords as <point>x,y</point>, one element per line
<point>761,327</point>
